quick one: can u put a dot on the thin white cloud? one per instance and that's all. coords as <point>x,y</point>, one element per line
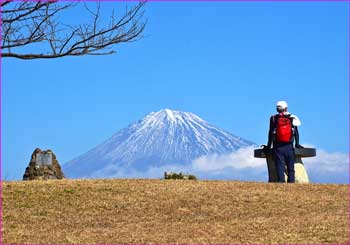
<point>328,162</point>
<point>242,158</point>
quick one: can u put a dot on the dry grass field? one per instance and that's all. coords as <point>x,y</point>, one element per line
<point>173,211</point>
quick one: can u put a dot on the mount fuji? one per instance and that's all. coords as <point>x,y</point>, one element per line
<point>160,139</point>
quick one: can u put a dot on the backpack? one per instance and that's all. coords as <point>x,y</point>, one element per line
<point>283,128</point>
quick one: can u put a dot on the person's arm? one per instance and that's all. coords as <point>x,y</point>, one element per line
<point>296,137</point>
<point>270,136</point>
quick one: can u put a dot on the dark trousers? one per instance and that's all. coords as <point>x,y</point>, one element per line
<point>284,155</point>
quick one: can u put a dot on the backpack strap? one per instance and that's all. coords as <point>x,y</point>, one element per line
<point>275,118</point>
<point>291,118</point>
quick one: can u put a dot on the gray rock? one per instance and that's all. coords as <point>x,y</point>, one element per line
<point>43,165</point>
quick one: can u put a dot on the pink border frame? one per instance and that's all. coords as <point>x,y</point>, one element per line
<point>182,1</point>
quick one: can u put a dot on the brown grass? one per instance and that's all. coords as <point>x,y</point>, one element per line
<point>173,211</point>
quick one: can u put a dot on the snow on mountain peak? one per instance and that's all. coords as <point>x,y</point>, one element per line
<point>173,116</point>
<point>169,114</point>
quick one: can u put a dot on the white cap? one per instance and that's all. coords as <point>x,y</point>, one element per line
<point>282,104</point>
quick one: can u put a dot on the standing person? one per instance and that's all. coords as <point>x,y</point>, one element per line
<point>283,132</point>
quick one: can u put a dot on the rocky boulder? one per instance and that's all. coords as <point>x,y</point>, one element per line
<point>43,165</point>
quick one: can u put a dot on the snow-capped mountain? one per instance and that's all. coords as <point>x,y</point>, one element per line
<point>160,138</point>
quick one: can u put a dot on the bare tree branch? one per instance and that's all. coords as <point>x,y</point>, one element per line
<point>5,3</point>
<point>28,23</point>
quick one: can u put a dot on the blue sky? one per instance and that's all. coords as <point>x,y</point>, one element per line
<point>228,62</point>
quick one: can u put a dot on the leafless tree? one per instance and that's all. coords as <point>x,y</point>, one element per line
<point>29,23</point>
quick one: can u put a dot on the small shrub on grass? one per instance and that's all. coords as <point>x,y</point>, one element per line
<point>180,176</point>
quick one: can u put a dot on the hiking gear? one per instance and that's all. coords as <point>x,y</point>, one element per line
<point>284,155</point>
<point>283,128</point>
<point>273,127</point>
<point>282,104</point>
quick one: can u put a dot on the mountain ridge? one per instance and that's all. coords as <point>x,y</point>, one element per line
<point>160,138</point>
